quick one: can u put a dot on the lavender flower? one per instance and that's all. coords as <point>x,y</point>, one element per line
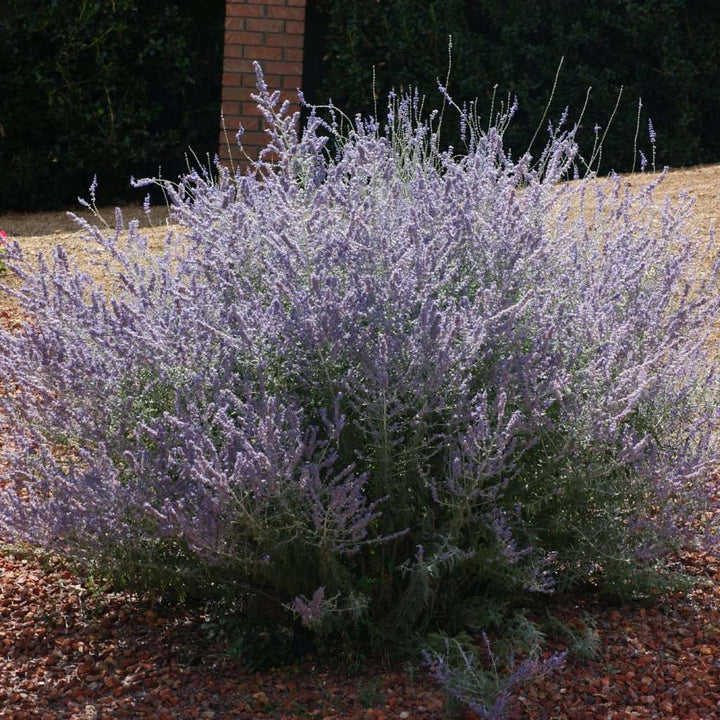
<point>311,611</point>
<point>371,358</point>
<point>653,141</point>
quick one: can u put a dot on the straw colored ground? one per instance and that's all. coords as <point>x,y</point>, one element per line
<point>69,652</point>
<point>42,231</point>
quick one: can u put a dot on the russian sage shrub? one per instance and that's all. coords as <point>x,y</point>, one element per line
<point>374,388</point>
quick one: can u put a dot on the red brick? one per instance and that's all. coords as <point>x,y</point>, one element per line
<point>231,79</point>
<point>237,65</point>
<point>282,68</point>
<point>231,132</point>
<point>255,138</point>
<point>286,13</point>
<point>292,82</point>
<point>233,122</point>
<point>249,108</point>
<point>282,40</point>
<point>243,163</point>
<point>234,156</point>
<point>230,108</point>
<point>250,80</point>
<point>263,53</point>
<point>234,93</point>
<point>245,110</point>
<point>252,123</point>
<point>263,25</point>
<point>231,128</point>
<point>243,10</point>
<point>238,37</point>
<point>271,32</point>
<point>234,51</point>
<point>292,54</point>
<point>233,24</point>
<point>293,27</point>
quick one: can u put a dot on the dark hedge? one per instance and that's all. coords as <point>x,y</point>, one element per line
<point>665,51</point>
<point>113,87</point>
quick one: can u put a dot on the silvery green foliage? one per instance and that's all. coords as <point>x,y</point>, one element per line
<point>393,373</point>
<point>486,692</point>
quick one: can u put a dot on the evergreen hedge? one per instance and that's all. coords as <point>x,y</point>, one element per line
<point>665,51</point>
<point>114,88</point>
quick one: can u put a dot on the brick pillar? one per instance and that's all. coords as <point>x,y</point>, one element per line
<point>271,32</point>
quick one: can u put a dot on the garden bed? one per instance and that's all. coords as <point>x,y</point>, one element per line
<point>71,651</point>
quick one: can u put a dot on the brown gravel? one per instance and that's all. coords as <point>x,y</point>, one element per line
<point>68,653</point>
<point>661,661</point>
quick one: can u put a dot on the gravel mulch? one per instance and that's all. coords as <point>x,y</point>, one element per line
<point>67,653</point>
<point>70,653</point>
